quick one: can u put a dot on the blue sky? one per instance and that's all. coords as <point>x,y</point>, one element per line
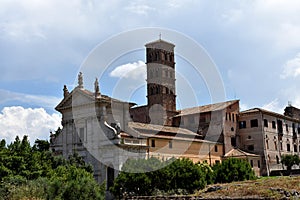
<point>254,44</point>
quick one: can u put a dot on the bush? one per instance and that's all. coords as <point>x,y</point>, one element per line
<point>70,182</point>
<point>233,169</point>
<point>34,173</point>
<point>179,176</point>
<point>290,160</point>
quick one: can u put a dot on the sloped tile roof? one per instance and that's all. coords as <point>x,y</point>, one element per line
<point>206,108</point>
<point>160,128</point>
<point>255,110</point>
<point>166,132</point>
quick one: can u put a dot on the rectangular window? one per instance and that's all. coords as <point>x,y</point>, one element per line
<point>81,134</point>
<point>216,148</point>
<point>288,147</point>
<point>233,117</point>
<point>279,125</point>
<point>242,124</point>
<point>275,144</point>
<point>202,119</point>
<point>233,141</point>
<point>251,163</point>
<point>273,124</point>
<point>226,116</point>
<point>152,143</point>
<point>294,129</point>
<point>277,159</point>
<point>254,123</point>
<point>217,162</point>
<point>250,147</point>
<point>265,123</point>
<point>281,147</point>
<point>295,148</point>
<point>267,143</point>
<point>286,127</point>
<point>229,116</point>
<point>258,163</point>
<point>170,145</point>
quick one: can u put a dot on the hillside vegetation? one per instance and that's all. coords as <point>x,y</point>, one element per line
<point>266,187</point>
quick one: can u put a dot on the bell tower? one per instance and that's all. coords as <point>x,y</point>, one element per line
<point>161,82</point>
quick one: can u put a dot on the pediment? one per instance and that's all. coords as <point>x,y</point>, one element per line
<point>76,98</point>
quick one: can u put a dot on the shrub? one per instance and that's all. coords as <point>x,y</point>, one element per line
<point>179,176</point>
<point>233,169</point>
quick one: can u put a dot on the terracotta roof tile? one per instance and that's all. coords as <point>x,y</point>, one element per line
<point>206,108</point>
<point>254,110</point>
<point>166,132</point>
<point>159,128</point>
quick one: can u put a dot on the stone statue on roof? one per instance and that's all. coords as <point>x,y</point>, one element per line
<point>66,91</point>
<point>80,80</point>
<point>96,87</point>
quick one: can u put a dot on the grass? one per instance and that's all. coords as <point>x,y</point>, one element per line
<point>266,187</point>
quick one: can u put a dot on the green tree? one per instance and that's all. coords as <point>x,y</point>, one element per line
<point>41,145</point>
<point>136,177</point>
<point>2,144</point>
<point>35,173</point>
<point>233,169</point>
<point>290,160</point>
<point>78,161</point>
<point>208,171</point>
<point>70,182</point>
<point>185,175</point>
<point>173,176</point>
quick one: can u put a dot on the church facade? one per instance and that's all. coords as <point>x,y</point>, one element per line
<point>106,131</point>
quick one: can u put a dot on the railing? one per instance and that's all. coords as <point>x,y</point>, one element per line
<point>135,142</point>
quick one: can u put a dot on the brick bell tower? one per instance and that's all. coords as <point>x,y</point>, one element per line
<point>161,82</point>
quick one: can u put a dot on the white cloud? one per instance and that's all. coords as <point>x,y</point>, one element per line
<point>233,15</point>
<point>272,22</point>
<point>38,100</point>
<point>140,9</point>
<point>135,70</point>
<point>244,106</point>
<point>274,106</point>
<point>36,123</point>
<point>291,95</point>
<point>291,68</point>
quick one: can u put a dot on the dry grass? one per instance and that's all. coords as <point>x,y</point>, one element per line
<point>266,187</point>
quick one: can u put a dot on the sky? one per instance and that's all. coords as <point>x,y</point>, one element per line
<point>254,46</point>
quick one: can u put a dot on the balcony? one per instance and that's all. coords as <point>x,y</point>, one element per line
<point>135,142</point>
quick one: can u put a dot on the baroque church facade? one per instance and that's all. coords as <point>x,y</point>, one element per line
<point>107,131</point>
